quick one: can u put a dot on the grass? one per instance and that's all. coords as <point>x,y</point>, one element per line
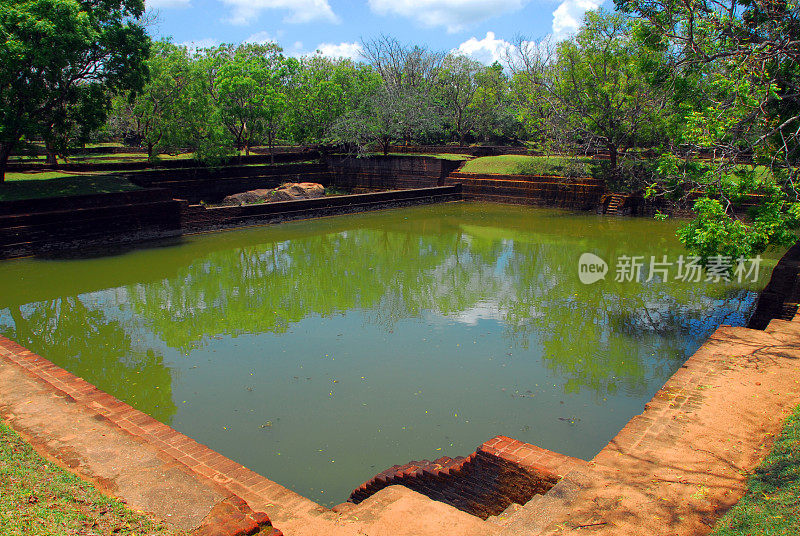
<point>530,165</point>
<point>442,156</point>
<point>20,186</point>
<point>771,504</point>
<point>335,190</point>
<point>38,498</point>
<point>116,158</point>
<point>105,144</point>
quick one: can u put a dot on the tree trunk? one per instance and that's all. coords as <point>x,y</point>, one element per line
<point>149,150</point>
<point>271,141</point>
<point>51,154</point>
<point>612,155</point>
<point>385,144</point>
<point>5,151</point>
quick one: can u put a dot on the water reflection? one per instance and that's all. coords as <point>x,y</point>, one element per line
<point>108,352</point>
<point>414,330</point>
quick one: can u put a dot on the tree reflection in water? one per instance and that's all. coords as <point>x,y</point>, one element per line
<point>449,323</point>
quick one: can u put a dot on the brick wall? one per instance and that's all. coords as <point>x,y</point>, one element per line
<point>781,296</point>
<point>576,194</point>
<point>500,472</point>
<point>389,172</point>
<point>476,150</point>
<point>35,226</point>
<point>212,184</point>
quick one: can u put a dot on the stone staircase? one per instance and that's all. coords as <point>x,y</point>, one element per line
<point>615,204</point>
<point>485,483</point>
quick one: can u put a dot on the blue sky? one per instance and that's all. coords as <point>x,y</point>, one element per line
<point>478,28</point>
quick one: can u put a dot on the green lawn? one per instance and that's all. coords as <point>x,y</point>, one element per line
<point>19,186</point>
<point>442,156</point>
<point>37,498</point>
<point>771,505</point>
<point>530,165</point>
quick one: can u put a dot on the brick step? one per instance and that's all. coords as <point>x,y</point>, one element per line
<point>526,192</point>
<point>568,201</point>
<point>515,181</point>
<point>526,178</point>
<point>533,189</point>
<point>615,204</point>
<point>483,484</point>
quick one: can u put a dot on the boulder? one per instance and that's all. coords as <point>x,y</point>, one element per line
<point>303,190</point>
<point>285,192</point>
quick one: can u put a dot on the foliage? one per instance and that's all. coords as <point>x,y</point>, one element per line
<point>473,100</point>
<point>61,60</point>
<point>593,90</point>
<point>247,85</point>
<point>388,114</point>
<point>457,88</point>
<point>737,90</point>
<point>164,114</point>
<point>321,91</point>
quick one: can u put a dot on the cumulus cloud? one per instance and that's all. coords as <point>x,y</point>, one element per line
<point>454,15</point>
<point>261,38</point>
<point>166,4</point>
<point>487,50</point>
<point>342,50</point>
<point>568,16</point>
<point>298,10</point>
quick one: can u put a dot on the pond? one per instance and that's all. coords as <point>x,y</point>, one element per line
<point>320,352</point>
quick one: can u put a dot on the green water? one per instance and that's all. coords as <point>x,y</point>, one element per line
<point>321,352</point>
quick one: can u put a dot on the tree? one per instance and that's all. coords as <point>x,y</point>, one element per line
<point>248,90</point>
<point>741,59</point>
<point>408,75</point>
<point>492,105</point>
<point>379,120</point>
<point>593,89</point>
<point>457,89</point>
<point>321,90</point>
<point>62,59</point>
<point>159,115</point>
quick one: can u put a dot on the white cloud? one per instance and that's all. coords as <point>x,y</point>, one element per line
<point>481,311</point>
<point>299,10</point>
<point>568,17</point>
<point>454,15</point>
<point>342,50</point>
<point>166,4</point>
<point>487,50</point>
<point>261,38</point>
